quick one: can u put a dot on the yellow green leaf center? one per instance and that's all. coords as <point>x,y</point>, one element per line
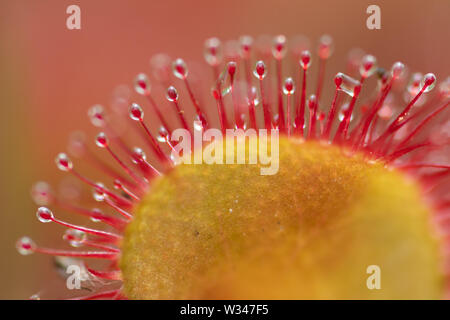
<point>326,226</point>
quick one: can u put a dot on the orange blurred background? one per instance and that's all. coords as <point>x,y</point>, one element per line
<point>50,75</point>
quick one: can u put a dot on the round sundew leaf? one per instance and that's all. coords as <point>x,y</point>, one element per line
<point>309,231</point>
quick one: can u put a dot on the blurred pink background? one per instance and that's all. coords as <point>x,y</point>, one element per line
<point>49,76</point>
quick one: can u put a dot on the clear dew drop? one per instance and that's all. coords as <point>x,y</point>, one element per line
<point>25,246</point>
<point>172,94</point>
<point>246,43</point>
<point>305,59</point>
<point>101,140</point>
<point>136,112</point>
<point>180,69</point>
<point>41,193</point>
<point>98,212</point>
<point>288,87</point>
<point>97,192</point>
<point>397,70</point>
<point>312,101</point>
<point>160,138</point>
<point>279,47</point>
<point>163,134</point>
<point>213,51</point>
<point>142,84</point>
<point>118,184</point>
<point>44,215</point>
<point>428,82</point>
<point>326,46</point>
<point>260,70</point>
<point>368,66</point>
<point>231,68</point>
<point>63,162</point>
<point>97,115</point>
<point>348,85</point>
<point>138,155</point>
<point>75,238</point>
